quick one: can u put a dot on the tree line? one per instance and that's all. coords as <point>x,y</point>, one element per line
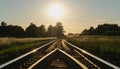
<point>31,31</point>
<point>103,29</point>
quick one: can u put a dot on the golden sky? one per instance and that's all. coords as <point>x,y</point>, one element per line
<point>75,15</point>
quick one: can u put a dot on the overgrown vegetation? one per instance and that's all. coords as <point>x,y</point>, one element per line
<point>103,29</point>
<point>16,47</point>
<point>32,31</point>
<point>106,47</point>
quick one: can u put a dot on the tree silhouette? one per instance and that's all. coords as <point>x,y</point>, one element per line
<point>59,30</point>
<point>84,32</point>
<point>15,31</point>
<point>50,32</point>
<point>91,31</point>
<point>103,29</point>
<point>31,31</point>
<point>42,31</point>
<point>11,31</point>
<point>3,24</point>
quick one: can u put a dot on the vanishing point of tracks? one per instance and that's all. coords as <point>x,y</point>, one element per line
<point>58,54</point>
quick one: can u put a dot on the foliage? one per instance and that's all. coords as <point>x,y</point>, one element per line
<point>103,29</point>
<point>56,31</point>
<point>42,31</point>
<point>11,31</point>
<point>59,30</point>
<point>31,31</point>
<point>18,48</point>
<point>106,47</point>
<point>50,31</point>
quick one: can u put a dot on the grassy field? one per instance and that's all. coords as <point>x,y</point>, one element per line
<point>13,47</point>
<point>106,47</point>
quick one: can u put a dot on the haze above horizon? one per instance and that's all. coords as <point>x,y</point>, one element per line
<point>75,15</point>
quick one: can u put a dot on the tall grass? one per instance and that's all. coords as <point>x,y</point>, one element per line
<point>106,47</point>
<point>20,40</point>
<point>11,42</point>
<point>13,47</point>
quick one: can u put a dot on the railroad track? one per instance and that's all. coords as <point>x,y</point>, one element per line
<point>58,54</point>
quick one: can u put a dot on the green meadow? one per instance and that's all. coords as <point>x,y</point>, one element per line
<point>11,47</point>
<point>105,47</point>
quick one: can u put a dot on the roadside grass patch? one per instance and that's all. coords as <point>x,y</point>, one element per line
<point>14,49</point>
<point>106,47</point>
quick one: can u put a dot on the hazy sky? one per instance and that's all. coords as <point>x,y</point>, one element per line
<point>78,14</point>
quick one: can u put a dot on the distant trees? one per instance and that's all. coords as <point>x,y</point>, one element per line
<point>41,31</point>
<point>103,29</point>
<point>3,24</point>
<point>50,31</point>
<point>59,31</point>
<point>56,31</point>
<point>31,31</point>
<point>10,30</point>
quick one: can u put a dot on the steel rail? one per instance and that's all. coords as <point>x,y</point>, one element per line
<point>75,60</point>
<point>65,54</point>
<point>24,55</point>
<point>87,59</point>
<point>95,57</point>
<point>44,57</point>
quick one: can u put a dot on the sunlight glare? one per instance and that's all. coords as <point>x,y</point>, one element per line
<point>56,11</point>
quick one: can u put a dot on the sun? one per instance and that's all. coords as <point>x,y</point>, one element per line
<point>56,11</point>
